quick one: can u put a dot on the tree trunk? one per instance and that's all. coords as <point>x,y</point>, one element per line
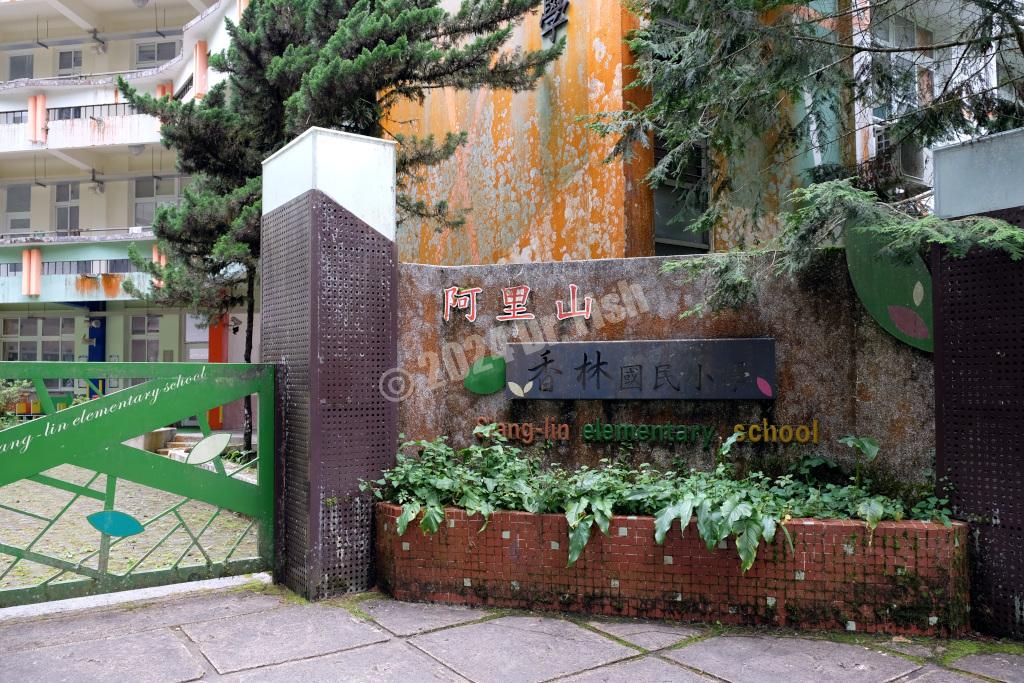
<point>250,309</point>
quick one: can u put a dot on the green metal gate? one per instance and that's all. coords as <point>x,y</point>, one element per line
<point>82,512</point>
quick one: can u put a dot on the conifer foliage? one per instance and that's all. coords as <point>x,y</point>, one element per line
<point>292,64</point>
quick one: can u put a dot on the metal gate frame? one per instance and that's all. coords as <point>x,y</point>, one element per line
<point>91,436</point>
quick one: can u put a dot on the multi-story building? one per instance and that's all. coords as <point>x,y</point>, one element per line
<point>81,175</point>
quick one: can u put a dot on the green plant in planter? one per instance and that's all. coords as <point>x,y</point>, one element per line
<point>491,475</point>
<point>866,448</point>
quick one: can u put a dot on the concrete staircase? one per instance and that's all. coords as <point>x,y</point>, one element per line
<point>179,447</point>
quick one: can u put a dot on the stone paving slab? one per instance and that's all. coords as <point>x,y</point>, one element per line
<point>520,649</point>
<point>650,635</point>
<point>241,635</point>
<point>151,657</point>
<point>760,659</point>
<point>935,674</point>
<point>109,622</point>
<point>1002,667</point>
<point>281,635</point>
<point>389,662</point>
<point>648,669</point>
<point>407,618</point>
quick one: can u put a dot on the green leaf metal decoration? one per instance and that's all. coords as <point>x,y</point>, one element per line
<point>114,523</point>
<point>486,376</point>
<point>208,449</point>
<point>898,295</point>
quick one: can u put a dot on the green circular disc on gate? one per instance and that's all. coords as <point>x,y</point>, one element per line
<point>897,293</point>
<point>487,376</point>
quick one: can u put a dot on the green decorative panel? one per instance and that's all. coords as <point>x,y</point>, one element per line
<point>898,295</point>
<point>83,512</point>
<point>487,376</point>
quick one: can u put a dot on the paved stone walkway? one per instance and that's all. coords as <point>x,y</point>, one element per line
<point>266,635</point>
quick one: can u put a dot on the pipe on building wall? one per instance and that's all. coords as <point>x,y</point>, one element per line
<point>26,272</point>
<point>201,69</point>
<point>242,4</point>
<point>35,287</point>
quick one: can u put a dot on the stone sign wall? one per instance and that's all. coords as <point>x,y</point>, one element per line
<point>837,372</point>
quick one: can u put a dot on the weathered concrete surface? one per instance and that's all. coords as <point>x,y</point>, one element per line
<point>108,623</point>
<point>646,634</point>
<point>152,657</point>
<point>280,635</point>
<point>1001,667</point>
<point>161,642</point>
<point>934,674</point>
<point>543,649</point>
<point>406,619</point>
<point>645,669</point>
<point>834,364</point>
<point>391,661</point>
<point>794,660</point>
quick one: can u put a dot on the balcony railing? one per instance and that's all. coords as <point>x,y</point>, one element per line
<point>96,112</point>
<point>16,116</point>
<point>54,234</point>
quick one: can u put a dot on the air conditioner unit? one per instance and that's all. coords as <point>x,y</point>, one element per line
<point>907,157</point>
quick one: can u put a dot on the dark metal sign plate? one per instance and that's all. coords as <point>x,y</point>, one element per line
<point>690,369</point>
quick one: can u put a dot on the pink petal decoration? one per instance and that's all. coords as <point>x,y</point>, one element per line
<point>765,387</point>
<point>908,322</point>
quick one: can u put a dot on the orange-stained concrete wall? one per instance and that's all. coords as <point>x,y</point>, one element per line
<point>533,176</point>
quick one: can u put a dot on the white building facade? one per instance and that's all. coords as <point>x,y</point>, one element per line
<point>81,175</point>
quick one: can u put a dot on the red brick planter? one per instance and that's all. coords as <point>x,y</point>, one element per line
<point>911,577</point>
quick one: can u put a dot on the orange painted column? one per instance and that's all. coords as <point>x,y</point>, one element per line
<point>242,4</point>
<point>40,129</point>
<point>26,272</point>
<point>160,259</point>
<point>32,128</point>
<point>218,353</point>
<point>36,281</point>
<point>202,69</point>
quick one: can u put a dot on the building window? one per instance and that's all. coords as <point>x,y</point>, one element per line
<point>10,269</point>
<point>1009,79</point>
<point>67,208</point>
<point>66,113</point>
<point>69,62</point>
<point>155,53</point>
<point>18,209</point>
<point>678,202</point>
<point>145,339</point>
<point>32,338</point>
<point>19,66</point>
<point>13,117</point>
<point>151,193</point>
<point>915,73</point>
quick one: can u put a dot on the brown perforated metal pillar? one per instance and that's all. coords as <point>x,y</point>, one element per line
<point>328,320</point>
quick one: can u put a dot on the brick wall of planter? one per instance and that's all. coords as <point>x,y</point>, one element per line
<point>906,577</point>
